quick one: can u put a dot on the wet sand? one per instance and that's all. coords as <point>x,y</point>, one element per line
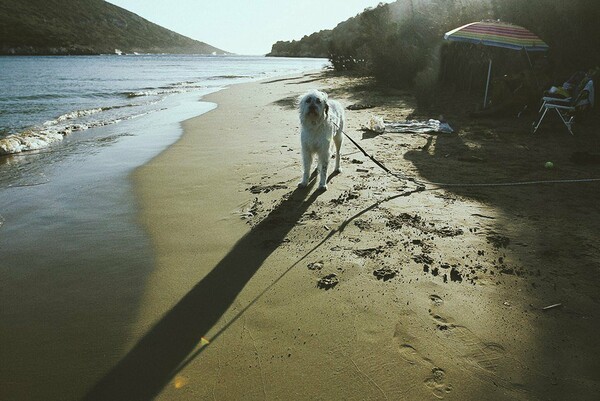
<point>73,257</point>
<point>437,294</point>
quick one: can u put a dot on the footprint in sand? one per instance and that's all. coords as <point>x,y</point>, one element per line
<point>409,354</point>
<point>464,342</point>
<point>436,300</point>
<point>437,383</point>
<point>442,323</point>
<point>404,340</point>
<point>487,355</point>
<point>459,341</point>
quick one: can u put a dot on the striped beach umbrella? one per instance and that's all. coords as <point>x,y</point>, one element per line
<point>497,34</point>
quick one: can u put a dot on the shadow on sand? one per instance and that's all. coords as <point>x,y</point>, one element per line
<point>161,353</point>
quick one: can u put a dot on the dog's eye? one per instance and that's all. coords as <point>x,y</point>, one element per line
<point>318,101</point>
<point>308,100</point>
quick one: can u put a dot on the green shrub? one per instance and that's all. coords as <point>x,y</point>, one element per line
<point>401,44</point>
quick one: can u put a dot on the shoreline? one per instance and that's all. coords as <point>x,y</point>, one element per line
<point>195,223</point>
<point>216,190</point>
<point>74,258</point>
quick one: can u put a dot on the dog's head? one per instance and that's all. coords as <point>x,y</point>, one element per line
<point>313,106</point>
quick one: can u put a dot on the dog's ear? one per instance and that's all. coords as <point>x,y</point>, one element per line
<point>326,109</point>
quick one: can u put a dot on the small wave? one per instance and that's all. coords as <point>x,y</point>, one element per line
<point>153,92</point>
<point>26,141</point>
<point>184,83</point>
<point>74,115</point>
<point>43,96</point>
<point>36,140</point>
<point>185,86</point>
<point>179,87</point>
<point>228,77</point>
<point>52,132</point>
<point>43,138</point>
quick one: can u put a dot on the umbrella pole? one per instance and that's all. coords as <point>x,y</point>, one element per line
<point>487,85</point>
<point>537,82</point>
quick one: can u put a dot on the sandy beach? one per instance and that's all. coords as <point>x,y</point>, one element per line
<point>459,293</point>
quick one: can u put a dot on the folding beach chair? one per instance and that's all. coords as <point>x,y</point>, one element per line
<point>575,96</point>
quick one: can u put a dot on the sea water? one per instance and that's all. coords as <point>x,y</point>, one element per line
<point>73,256</point>
<point>44,99</point>
<point>58,108</point>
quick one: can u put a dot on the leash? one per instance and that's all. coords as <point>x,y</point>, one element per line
<point>424,183</point>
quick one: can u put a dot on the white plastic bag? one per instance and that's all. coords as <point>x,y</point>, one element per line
<point>375,124</point>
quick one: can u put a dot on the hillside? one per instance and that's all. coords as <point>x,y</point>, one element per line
<point>85,27</point>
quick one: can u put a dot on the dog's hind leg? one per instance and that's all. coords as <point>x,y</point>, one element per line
<point>338,139</point>
<point>306,162</point>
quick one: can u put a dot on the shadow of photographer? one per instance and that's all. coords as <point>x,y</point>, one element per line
<point>161,353</point>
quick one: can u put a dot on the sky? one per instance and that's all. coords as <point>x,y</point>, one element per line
<point>246,26</point>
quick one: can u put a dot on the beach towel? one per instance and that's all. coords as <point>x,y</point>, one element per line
<point>377,124</point>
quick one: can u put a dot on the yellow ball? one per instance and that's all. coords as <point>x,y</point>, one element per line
<point>549,165</point>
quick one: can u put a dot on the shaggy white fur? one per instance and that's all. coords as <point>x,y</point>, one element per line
<point>322,122</point>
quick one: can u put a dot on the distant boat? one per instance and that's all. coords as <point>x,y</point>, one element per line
<point>118,52</point>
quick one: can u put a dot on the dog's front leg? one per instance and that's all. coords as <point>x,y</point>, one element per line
<point>323,166</point>
<point>307,162</point>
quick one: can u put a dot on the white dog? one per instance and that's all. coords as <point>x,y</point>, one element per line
<point>322,122</point>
